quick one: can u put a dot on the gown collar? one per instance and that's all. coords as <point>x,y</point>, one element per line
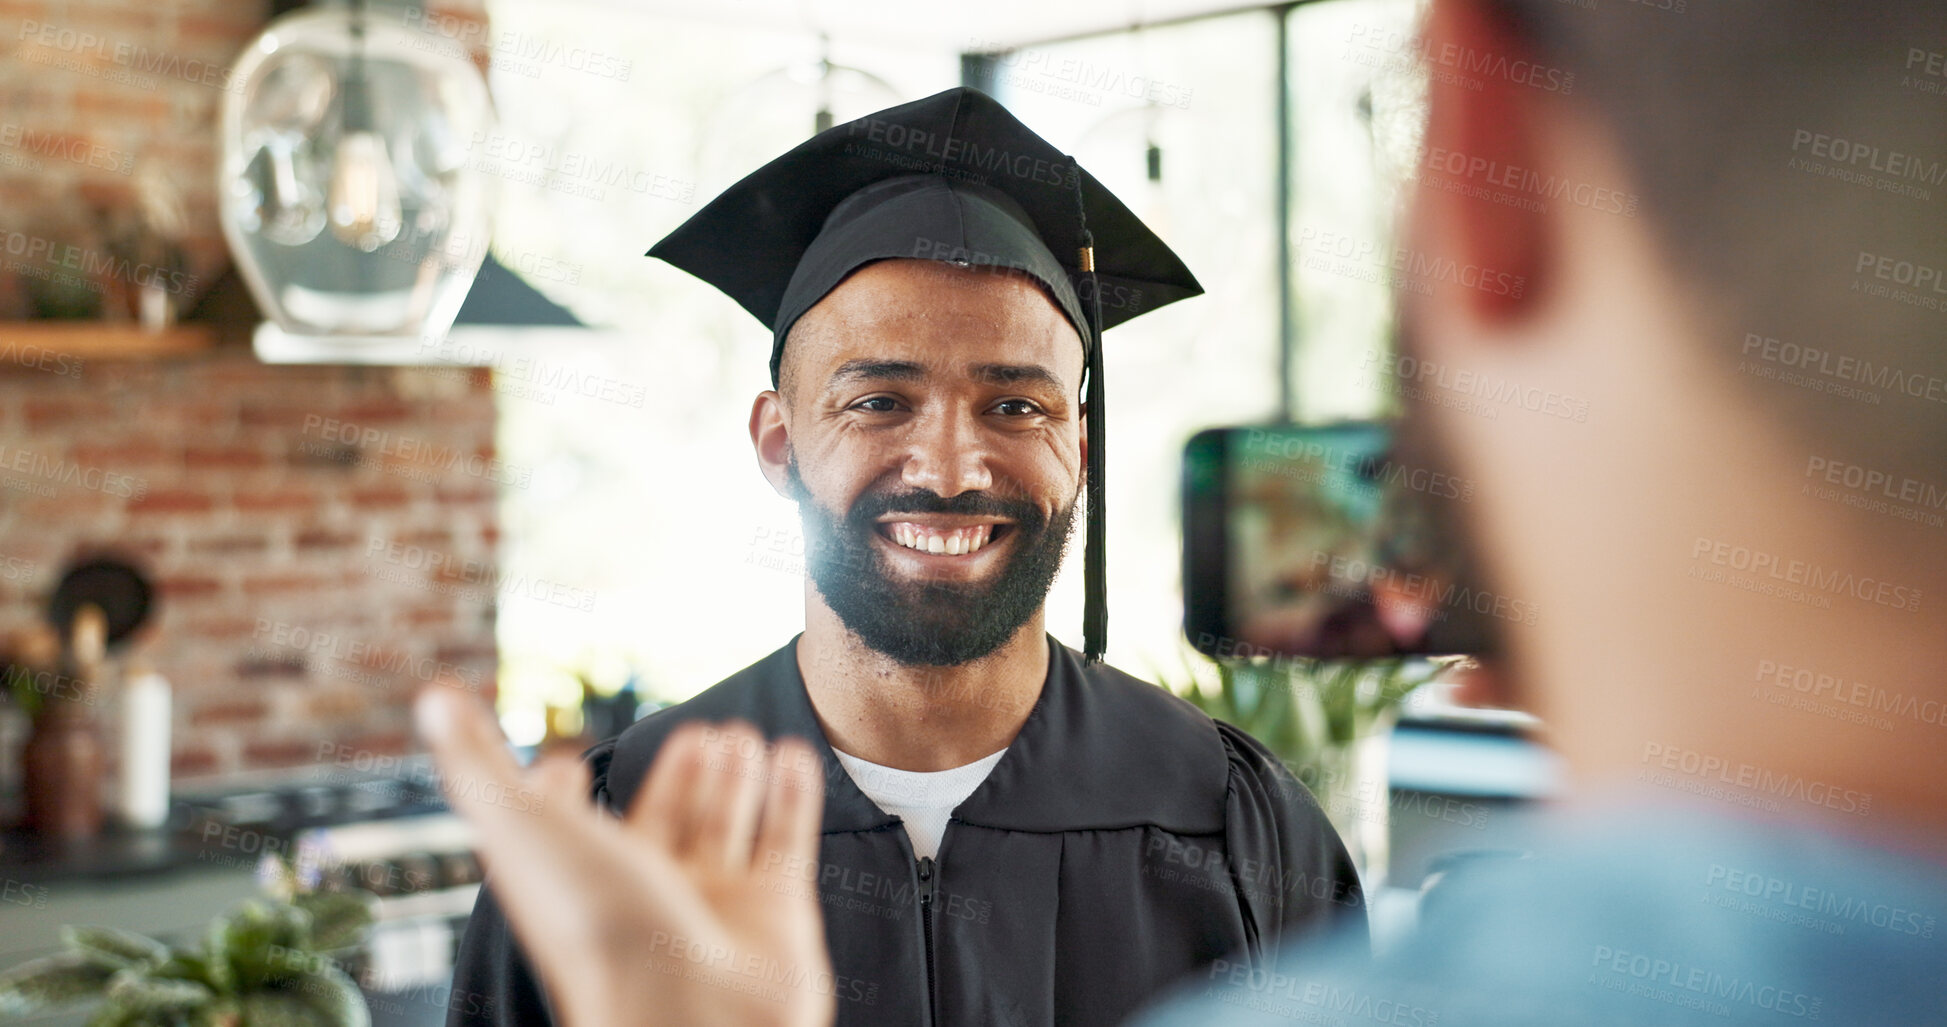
<point>1100,750</point>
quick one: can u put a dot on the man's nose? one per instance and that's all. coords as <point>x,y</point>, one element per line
<point>947,456</point>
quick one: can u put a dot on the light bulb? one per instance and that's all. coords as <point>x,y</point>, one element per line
<point>364,199</point>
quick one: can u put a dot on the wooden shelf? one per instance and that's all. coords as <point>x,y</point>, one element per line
<point>100,340</point>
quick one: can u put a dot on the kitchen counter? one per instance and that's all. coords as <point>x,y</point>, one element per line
<point>390,835</point>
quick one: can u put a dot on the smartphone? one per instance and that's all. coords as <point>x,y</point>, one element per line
<point>1329,541</point>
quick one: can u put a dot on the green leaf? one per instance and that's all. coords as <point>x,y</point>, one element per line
<point>135,990</point>
<point>216,955</point>
<point>1339,687</point>
<point>331,995</point>
<point>1301,711</point>
<point>339,919</point>
<point>54,981</point>
<point>195,966</point>
<point>250,939</point>
<point>1306,745</point>
<point>122,947</point>
<point>113,1015</point>
<point>282,1009</point>
<point>1275,713</point>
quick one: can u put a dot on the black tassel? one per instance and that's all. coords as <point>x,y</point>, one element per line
<point>1095,604</point>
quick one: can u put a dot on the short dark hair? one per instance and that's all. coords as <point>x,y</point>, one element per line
<point>1792,159</point>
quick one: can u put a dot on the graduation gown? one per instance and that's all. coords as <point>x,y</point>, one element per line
<point>1123,841</point>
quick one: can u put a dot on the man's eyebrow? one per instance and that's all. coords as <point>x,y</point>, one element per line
<point>861,370</point>
<point>1014,374</point>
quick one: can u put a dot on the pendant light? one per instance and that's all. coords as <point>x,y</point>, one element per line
<point>345,188</point>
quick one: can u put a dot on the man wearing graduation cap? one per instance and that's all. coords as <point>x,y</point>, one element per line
<point>1013,833</point>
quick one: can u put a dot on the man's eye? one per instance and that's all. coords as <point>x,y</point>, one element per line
<point>1017,407</point>
<point>876,404</point>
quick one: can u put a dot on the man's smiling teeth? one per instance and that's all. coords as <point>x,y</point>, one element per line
<point>957,542</point>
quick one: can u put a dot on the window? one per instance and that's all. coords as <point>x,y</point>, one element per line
<point>1180,122</point>
<point>643,494</point>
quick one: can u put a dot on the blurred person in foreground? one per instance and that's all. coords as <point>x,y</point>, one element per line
<point>1739,263</point>
<point>1732,233</point>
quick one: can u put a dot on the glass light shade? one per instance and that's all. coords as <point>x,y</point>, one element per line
<point>344,187</point>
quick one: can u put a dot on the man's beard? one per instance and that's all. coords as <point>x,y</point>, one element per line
<point>929,623</point>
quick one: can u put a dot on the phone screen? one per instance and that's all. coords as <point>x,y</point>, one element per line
<point>1324,542</point>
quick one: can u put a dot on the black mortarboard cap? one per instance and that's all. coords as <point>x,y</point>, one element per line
<point>956,178</point>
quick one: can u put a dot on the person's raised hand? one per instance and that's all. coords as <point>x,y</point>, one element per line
<point>699,907</point>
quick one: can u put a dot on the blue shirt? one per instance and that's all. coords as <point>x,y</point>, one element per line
<point>1639,917</point>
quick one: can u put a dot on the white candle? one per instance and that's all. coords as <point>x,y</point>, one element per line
<point>144,795</point>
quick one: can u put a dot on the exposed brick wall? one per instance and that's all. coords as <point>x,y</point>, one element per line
<point>218,473</point>
<point>323,538</point>
<point>265,532</point>
<point>96,94</point>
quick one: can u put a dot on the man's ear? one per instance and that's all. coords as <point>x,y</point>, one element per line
<point>771,439</point>
<point>1483,136</point>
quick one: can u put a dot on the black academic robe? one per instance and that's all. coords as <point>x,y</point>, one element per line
<point>1124,841</point>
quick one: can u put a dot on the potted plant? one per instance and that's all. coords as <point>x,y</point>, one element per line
<point>1327,721</point>
<point>271,962</point>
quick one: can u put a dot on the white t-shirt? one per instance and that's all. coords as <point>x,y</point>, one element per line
<point>922,799</point>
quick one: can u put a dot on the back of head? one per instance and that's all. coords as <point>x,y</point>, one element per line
<point>1792,158</point>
